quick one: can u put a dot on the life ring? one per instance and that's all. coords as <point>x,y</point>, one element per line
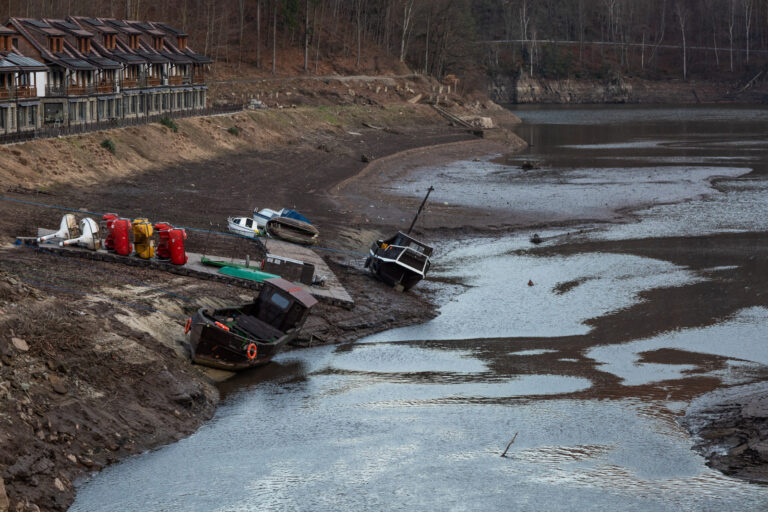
<point>252,351</point>
<point>188,325</point>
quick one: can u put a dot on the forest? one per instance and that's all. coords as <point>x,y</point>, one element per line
<point>661,39</point>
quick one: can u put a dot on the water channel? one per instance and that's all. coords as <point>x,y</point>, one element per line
<point>416,418</point>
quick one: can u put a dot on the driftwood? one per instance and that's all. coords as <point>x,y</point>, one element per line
<point>510,444</point>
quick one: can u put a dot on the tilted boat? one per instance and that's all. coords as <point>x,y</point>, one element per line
<point>401,261</point>
<point>240,337</point>
<point>293,230</point>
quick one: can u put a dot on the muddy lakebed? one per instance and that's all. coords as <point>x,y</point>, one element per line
<point>648,291</point>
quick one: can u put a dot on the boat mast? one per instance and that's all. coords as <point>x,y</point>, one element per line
<point>429,190</point>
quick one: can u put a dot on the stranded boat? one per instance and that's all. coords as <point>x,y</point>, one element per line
<point>243,226</point>
<point>401,261</point>
<point>240,337</point>
<point>293,230</point>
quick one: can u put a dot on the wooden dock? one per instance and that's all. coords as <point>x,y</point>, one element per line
<point>331,292</point>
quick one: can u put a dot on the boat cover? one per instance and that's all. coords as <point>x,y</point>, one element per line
<point>293,214</point>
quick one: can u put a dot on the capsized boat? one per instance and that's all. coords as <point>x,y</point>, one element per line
<point>401,261</point>
<point>293,230</point>
<point>240,337</point>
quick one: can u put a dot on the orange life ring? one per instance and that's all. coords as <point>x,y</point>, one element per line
<point>221,325</point>
<point>252,351</point>
<point>188,325</point>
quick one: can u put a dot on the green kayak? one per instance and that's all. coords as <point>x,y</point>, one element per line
<point>246,273</point>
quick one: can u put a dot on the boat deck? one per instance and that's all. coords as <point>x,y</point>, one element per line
<point>332,292</point>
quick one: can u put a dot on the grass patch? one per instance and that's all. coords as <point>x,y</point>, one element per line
<point>170,123</point>
<point>234,130</point>
<point>109,145</point>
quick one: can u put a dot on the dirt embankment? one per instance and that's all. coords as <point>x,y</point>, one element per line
<point>506,89</point>
<point>93,365</point>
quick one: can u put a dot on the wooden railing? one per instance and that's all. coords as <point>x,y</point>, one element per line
<point>175,80</point>
<point>26,92</point>
<point>105,87</point>
<point>153,81</point>
<point>79,90</point>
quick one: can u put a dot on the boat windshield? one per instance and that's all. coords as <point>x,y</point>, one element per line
<point>279,301</point>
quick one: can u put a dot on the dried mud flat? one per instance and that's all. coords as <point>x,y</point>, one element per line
<point>93,365</point>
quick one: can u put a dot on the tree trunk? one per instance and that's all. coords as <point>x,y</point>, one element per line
<point>274,39</point>
<point>407,21</point>
<point>241,13</point>
<point>258,33</point>
<point>306,37</point>
<point>359,32</point>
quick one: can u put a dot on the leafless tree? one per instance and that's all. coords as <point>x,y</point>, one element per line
<point>407,26</point>
<point>682,17</point>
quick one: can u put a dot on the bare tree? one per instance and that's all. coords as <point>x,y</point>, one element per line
<point>682,16</point>
<point>731,24</point>
<point>748,5</point>
<point>407,22</point>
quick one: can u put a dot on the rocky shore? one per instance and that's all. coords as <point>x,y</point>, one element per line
<point>731,430</point>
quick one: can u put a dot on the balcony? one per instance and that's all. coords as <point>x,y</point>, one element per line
<point>55,90</point>
<point>106,87</point>
<point>26,92</point>
<point>80,90</point>
<point>175,80</point>
<point>198,79</point>
<point>154,82</point>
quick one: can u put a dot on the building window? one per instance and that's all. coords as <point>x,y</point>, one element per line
<point>3,113</point>
<point>134,41</point>
<point>81,109</point>
<point>157,102</point>
<point>32,111</point>
<point>73,112</point>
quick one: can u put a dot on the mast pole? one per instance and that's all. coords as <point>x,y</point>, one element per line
<point>429,190</point>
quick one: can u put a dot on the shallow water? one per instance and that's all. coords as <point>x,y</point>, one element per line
<point>416,418</point>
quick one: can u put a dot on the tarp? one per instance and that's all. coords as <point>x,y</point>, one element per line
<point>293,214</point>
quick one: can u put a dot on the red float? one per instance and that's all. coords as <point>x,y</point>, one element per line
<point>120,233</point>
<point>170,245</point>
<point>109,242</point>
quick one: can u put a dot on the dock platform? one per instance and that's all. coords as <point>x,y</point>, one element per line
<point>332,292</point>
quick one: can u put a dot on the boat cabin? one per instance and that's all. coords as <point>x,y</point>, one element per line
<point>281,304</point>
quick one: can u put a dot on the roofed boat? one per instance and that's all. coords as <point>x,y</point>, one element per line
<point>240,337</point>
<point>401,261</point>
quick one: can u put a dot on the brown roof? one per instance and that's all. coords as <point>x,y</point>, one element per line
<point>294,289</point>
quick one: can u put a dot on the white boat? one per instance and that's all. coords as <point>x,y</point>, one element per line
<point>263,216</point>
<point>244,226</point>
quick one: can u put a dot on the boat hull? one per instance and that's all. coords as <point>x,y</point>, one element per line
<point>293,230</point>
<point>394,274</point>
<point>215,347</point>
